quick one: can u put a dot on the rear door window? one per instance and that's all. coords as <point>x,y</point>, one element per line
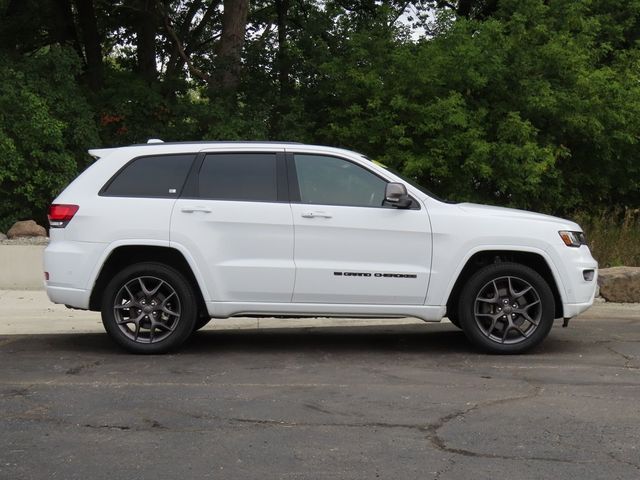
<point>239,176</point>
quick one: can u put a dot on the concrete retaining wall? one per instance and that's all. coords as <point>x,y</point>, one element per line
<point>21,267</point>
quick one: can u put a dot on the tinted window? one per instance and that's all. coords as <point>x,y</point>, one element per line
<point>239,176</point>
<point>160,177</point>
<point>334,181</point>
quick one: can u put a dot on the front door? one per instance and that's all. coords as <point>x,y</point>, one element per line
<point>349,247</point>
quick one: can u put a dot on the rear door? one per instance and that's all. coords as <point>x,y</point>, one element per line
<point>235,219</point>
<point>349,247</point>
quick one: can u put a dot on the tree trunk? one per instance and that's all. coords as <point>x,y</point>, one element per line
<point>284,67</point>
<point>176,62</point>
<point>92,44</point>
<point>234,25</point>
<point>282,7</point>
<point>146,27</point>
<point>64,29</point>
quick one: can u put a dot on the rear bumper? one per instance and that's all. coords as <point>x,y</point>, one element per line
<point>70,266</point>
<point>72,297</point>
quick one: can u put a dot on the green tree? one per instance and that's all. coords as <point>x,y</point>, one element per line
<point>45,127</point>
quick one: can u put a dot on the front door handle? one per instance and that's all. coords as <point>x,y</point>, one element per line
<point>195,209</point>
<point>316,215</point>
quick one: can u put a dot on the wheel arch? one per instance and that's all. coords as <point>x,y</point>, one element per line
<point>125,255</point>
<point>534,260</point>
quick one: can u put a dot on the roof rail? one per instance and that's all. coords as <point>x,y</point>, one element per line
<point>211,142</point>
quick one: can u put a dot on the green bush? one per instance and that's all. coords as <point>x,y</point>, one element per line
<point>45,126</point>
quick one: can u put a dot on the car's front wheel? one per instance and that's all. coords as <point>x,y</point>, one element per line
<point>149,308</point>
<point>506,308</point>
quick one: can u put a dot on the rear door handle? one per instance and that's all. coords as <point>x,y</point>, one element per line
<point>316,215</point>
<point>195,209</point>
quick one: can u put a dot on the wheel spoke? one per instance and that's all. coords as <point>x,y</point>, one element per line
<point>519,294</point>
<point>168,311</point>
<point>143,287</point>
<point>166,299</point>
<point>494,323</point>
<point>135,320</point>
<point>504,333</point>
<point>494,300</point>
<point>128,304</point>
<point>528,318</point>
<point>512,292</point>
<point>155,290</point>
<point>165,327</point>
<point>131,296</point>
<point>519,329</point>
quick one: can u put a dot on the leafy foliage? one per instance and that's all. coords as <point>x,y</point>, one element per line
<point>527,103</point>
<point>45,125</point>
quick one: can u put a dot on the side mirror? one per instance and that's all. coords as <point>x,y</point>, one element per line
<point>396,195</point>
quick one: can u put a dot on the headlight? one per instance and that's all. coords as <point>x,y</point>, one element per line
<point>573,239</point>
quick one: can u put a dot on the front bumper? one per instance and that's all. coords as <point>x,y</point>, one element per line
<point>580,292</point>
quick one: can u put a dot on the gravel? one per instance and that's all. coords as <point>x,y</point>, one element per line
<point>26,241</point>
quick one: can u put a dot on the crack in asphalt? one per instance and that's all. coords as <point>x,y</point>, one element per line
<point>79,368</point>
<point>107,426</point>
<point>627,358</point>
<point>431,431</point>
<point>613,457</point>
<point>451,462</point>
<point>439,443</point>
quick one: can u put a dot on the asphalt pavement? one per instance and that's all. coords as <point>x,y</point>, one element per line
<point>293,399</point>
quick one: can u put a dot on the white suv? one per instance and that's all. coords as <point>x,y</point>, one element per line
<point>164,236</point>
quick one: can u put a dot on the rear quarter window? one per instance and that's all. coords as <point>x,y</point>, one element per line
<point>158,176</point>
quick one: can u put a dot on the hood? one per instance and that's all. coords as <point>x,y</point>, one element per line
<point>491,211</point>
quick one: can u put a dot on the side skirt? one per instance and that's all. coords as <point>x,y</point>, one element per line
<point>428,313</point>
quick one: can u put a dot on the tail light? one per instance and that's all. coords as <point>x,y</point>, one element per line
<point>61,215</point>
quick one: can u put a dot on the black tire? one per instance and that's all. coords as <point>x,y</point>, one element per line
<point>149,308</point>
<point>506,308</point>
<point>453,318</point>
<point>201,322</point>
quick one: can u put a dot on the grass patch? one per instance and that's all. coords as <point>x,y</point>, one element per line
<point>613,236</point>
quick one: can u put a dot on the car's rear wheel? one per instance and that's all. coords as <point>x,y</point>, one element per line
<point>506,308</point>
<point>149,308</point>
